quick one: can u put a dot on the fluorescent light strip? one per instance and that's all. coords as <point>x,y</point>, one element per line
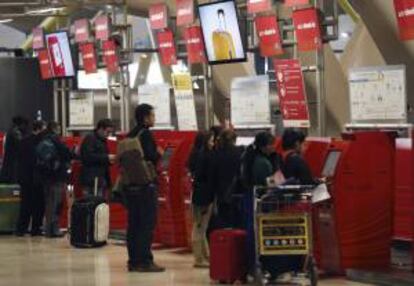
<point>4,21</point>
<point>44,11</point>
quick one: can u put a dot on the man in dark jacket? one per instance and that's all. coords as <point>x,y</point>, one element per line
<point>142,201</point>
<point>32,198</point>
<point>54,178</point>
<point>96,159</point>
<point>11,147</point>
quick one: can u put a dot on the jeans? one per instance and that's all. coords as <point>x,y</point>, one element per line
<point>142,205</point>
<point>54,201</point>
<point>201,218</point>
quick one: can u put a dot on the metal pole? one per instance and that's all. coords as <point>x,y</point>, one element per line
<point>126,45</point>
<point>206,98</point>
<point>63,103</point>
<point>56,100</point>
<point>320,83</point>
<point>122,98</point>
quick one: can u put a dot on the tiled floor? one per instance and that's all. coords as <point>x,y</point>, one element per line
<point>42,262</point>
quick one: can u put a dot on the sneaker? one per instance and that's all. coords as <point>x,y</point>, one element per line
<point>152,268</point>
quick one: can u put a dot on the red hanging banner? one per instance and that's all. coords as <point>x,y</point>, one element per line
<point>110,56</point>
<point>195,45</point>
<point>102,28</point>
<point>38,39</point>
<point>404,10</point>
<point>257,6</point>
<point>44,62</point>
<point>82,32</point>
<point>185,12</point>
<point>158,15</point>
<point>293,3</point>
<point>88,57</point>
<point>269,36</point>
<point>307,28</point>
<point>292,96</point>
<point>166,47</point>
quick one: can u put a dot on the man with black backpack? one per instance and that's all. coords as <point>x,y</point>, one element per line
<point>53,163</point>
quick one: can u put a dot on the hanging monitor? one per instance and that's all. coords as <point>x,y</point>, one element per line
<point>61,62</point>
<point>221,32</point>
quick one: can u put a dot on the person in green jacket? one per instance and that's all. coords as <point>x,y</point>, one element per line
<point>266,161</point>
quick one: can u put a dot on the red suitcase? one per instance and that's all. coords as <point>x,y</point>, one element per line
<point>228,255</point>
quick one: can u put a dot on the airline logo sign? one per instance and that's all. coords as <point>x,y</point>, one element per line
<point>185,12</point>
<point>166,47</point>
<point>158,16</point>
<point>307,29</point>
<point>102,28</point>
<point>38,39</point>
<point>269,36</point>
<point>81,31</point>
<point>257,6</point>
<point>89,57</point>
<point>295,3</point>
<point>404,10</point>
<point>195,45</point>
<point>110,56</point>
<point>44,62</point>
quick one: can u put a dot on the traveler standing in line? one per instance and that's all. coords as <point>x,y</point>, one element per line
<point>13,138</point>
<point>202,197</point>
<point>53,163</point>
<point>32,198</point>
<point>142,200</point>
<point>96,159</point>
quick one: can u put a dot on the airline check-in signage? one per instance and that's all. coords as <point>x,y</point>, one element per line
<point>38,39</point>
<point>166,47</point>
<point>307,29</point>
<point>195,45</point>
<point>184,101</point>
<point>257,6</point>
<point>110,56</point>
<point>102,28</point>
<point>269,36</point>
<point>88,57</point>
<point>292,95</point>
<point>158,16</point>
<point>185,12</point>
<point>404,10</point>
<point>44,62</point>
<point>82,31</point>
<point>292,3</point>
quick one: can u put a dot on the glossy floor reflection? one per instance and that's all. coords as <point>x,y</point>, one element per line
<point>43,262</point>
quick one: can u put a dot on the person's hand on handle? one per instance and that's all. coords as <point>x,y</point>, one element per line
<point>160,150</point>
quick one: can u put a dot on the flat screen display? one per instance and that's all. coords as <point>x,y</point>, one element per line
<point>166,158</point>
<point>221,32</point>
<point>330,164</point>
<point>61,62</point>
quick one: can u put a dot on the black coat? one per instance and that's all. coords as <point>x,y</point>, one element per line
<point>26,159</point>
<point>95,162</point>
<point>65,158</point>
<point>296,168</point>
<point>10,163</point>
<point>199,168</point>
<point>147,142</point>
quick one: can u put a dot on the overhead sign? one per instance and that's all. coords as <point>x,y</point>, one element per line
<point>404,10</point>
<point>166,47</point>
<point>89,57</point>
<point>81,109</point>
<point>158,16</point>
<point>307,29</point>
<point>293,3</point>
<point>184,101</point>
<point>378,94</point>
<point>82,31</point>
<point>102,28</point>
<point>257,6</point>
<point>38,39</point>
<point>185,12</point>
<point>44,62</point>
<point>195,45</point>
<point>292,96</point>
<point>110,56</point>
<point>250,103</point>
<point>157,95</point>
<point>267,30</point>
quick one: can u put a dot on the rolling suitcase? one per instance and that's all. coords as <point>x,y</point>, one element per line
<point>89,222</point>
<point>228,255</point>
<point>9,207</point>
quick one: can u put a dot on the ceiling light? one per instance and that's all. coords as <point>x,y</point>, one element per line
<point>44,11</point>
<point>4,21</point>
<point>345,35</point>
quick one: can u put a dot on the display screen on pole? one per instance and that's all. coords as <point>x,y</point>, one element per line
<point>221,32</point>
<point>60,55</point>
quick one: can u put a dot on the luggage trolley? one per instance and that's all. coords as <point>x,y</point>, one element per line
<point>283,229</point>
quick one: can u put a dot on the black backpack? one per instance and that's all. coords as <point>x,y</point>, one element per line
<point>47,157</point>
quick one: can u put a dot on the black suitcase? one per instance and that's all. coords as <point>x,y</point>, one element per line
<point>89,225</point>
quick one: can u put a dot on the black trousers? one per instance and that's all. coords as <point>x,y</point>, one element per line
<point>142,205</point>
<point>32,208</point>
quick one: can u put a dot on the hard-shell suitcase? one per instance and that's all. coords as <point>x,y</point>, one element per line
<point>9,207</point>
<point>228,255</point>
<point>89,222</point>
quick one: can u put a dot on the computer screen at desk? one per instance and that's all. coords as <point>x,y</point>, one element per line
<point>330,164</point>
<point>166,158</point>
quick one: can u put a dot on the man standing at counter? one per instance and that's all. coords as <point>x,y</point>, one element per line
<point>138,156</point>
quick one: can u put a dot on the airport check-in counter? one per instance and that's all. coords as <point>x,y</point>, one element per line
<point>355,225</point>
